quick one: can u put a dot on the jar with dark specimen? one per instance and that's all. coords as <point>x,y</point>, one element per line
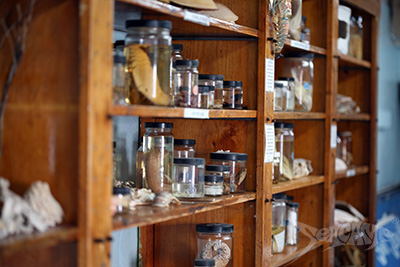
<point>232,95</point>
<point>215,80</point>
<point>204,96</point>
<point>186,83</point>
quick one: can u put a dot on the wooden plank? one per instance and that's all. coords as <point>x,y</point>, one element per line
<point>23,243</point>
<point>299,115</point>
<point>346,60</point>
<point>290,46</point>
<point>298,183</point>
<point>351,172</point>
<point>147,215</point>
<point>353,117</point>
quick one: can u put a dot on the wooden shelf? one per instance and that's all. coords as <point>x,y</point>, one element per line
<point>351,172</point>
<point>296,46</point>
<point>147,215</point>
<point>179,12</point>
<point>299,115</point>
<point>51,237</point>
<point>292,253</point>
<point>353,117</point>
<point>346,60</point>
<point>297,183</point>
<point>170,112</point>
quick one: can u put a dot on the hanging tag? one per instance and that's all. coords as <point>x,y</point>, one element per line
<point>300,45</point>
<point>269,74</point>
<point>269,142</point>
<point>196,18</point>
<point>333,135</point>
<point>194,113</point>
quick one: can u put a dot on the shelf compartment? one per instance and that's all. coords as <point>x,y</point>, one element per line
<point>147,215</point>
<point>291,253</point>
<point>170,112</point>
<point>354,171</point>
<point>293,45</point>
<point>297,183</point>
<point>179,12</point>
<point>353,117</point>
<point>299,115</point>
<point>349,61</point>
<point>25,242</point>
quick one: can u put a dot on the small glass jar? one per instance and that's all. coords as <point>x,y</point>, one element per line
<point>213,185</point>
<point>345,148</point>
<point>204,96</point>
<point>215,80</point>
<point>280,88</point>
<point>175,55</point>
<point>232,95</point>
<point>148,54</point>
<point>237,162</point>
<point>278,222</point>
<point>120,92</point>
<point>204,263</point>
<point>284,140</point>
<point>239,95</point>
<point>215,241</point>
<point>158,151</point>
<point>184,148</point>
<point>119,46</point>
<point>305,35</point>
<point>225,172</point>
<point>139,164</point>
<point>356,38</point>
<point>120,199</point>
<point>188,177</point>
<point>292,230</point>
<point>289,94</point>
<point>186,86</point>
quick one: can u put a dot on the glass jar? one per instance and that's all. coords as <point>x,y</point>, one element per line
<point>237,162</point>
<point>184,148</point>
<point>215,241</point>
<point>280,88</point>
<point>158,151</point>
<point>301,68</point>
<point>232,95</point>
<point>284,140</point>
<point>175,55</point>
<point>203,99</point>
<point>292,230</point>
<point>186,86</point>
<point>239,95</point>
<point>289,94</point>
<point>120,92</point>
<point>216,95</point>
<point>276,169</point>
<point>148,54</point>
<point>356,38</point>
<point>139,164</point>
<point>213,185</point>
<point>306,35</point>
<point>119,46</point>
<point>120,199</point>
<point>225,172</point>
<point>345,148</point>
<point>204,262</point>
<point>278,222</point>
<point>188,177</point>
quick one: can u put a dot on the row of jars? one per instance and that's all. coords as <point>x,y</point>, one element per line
<point>149,70</point>
<point>168,164</point>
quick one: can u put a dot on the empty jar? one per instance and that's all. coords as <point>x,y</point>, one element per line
<point>213,185</point>
<point>215,80</point>
<point>289,93</point>
<point>225,172</point>
<point>188,177</point>
<point>184,148</point>
<point>215,241</point>
<point>278,222</point>
<point>186,83</point>
<point>284,141</point>
<point>148,55</point>
<point>237,163</point>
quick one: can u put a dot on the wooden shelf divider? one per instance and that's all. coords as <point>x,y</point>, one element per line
<point>352,61</point>
<point>147,215</point>
<point>353,117</point>
<point>299,115</point>
<point>298,183</point>
<point>353,171</point>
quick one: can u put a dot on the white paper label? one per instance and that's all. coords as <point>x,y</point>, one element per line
<point>333,135</point>
<point>212,190</point>
<point>300,45</point>
<point>269,74</point>
<point>194,113</point>
<point>269,142</point>
<point>351,172</point>
<point>196,18</point>
<point>279,241</point>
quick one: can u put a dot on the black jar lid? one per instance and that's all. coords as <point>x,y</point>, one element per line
<point>290,198</point>
<point>289,79</point>
<point>293,204</point>
<point>228,155</point>
<point>158,125</point>
<point>119,43</point>
<point>299,55</point>
<point>206,88</point>
<point>177,47</point>
<point>148,23</point>
<point>211,77</point>
<point>278,84</point>
<point>218,168</point>
<point>185,142</point>
<point>213,178</point>
<point>280,196</point>
<point>284,125</point>
<point>229,83</point>
<point>119,59</point>
<point>204,262</point>
<point>187,62</point>
<point>121,191</point>
<point>239,83</point>
<point>190,161</point>
<point>215,228</point>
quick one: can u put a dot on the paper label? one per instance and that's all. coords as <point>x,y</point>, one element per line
<point>351,172</point>
<point>279,241</point>
<point>194,113</point>
<point>333,135</point>
<point>269,74</point>
<point>269,142</point>
<point>300,45</point>
<point>196,18</point>
<point>212,190</point>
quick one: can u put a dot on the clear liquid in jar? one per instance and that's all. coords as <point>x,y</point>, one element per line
<point>285,147</point>
<point>188,190</point>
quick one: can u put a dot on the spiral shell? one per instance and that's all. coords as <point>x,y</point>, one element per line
<point>217,250</point>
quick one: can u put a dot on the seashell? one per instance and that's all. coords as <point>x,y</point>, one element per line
<point>223,13</point>
<point>164,198</point>
<point>200,4</point>
<point>142,196</point>
<point>218,251</point>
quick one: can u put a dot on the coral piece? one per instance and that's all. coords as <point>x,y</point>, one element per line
<point>301,168</point>
<point>164,198</point>
<point>141,196</point>
<point>281,11</point>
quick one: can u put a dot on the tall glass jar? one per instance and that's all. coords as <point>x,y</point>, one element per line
<point>148,54</point>
<point>158,151</point>
<point>184,148</point>
<point>139,165</point>
<point>284,140</point>
<point>280,88</point>
<point>186,83</point>
<point>345,148</point>
<point>215,80</point>
<point>215,241</point>
<point>188,178</point>
<point>278,222</point>
<point>292,232</point>
<point>289,93</point>
<point>120,92</point>
<point>176,55</point>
